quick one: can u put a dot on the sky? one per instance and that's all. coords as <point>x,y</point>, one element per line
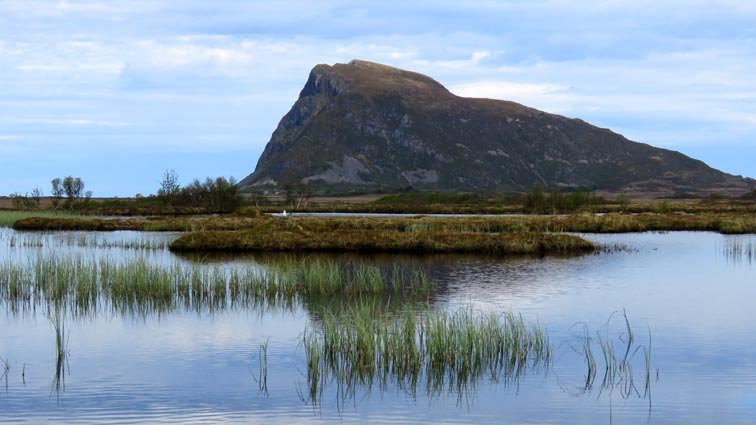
<point>117,92</point>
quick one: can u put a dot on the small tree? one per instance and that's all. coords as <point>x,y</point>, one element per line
<point>87,199</point>
<point>26,202</point>
<point>217,195</point>
<point>17,200</point>
<point>169,187</point>
<point>36,197</point>
<point>288,188</point>
<point>223,195</point>
<point>581,198</point>
<point>56,192</point>
<point>623,200</point>
<point>535,200</point>
<point>557,201</point>
<point>304,193</point>
<point>71,187</point>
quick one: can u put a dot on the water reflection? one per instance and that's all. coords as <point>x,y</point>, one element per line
<point>61,352</point>
<point>200,357</point>
<point>618,352</point>
<point>5,367</point>
<point>452,353</point>
<point>86,286</point>
<point>738,249</point>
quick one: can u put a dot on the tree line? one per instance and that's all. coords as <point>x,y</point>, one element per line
<point>556,201</point>
<point>538,201</point>
<point>65,193</point>
<point>218,195</point>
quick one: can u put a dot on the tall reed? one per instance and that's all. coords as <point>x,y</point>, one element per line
<point>448,351</point>
<point>140,286</point>
<point>451,352</point>
<point>5,367</point>
<point>262,373</point>
<point>61,352</point>
<point>617,356</point>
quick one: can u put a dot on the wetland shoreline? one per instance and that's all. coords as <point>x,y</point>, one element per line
<point>501,235</point>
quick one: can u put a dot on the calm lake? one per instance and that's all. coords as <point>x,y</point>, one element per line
<point>688,297</point>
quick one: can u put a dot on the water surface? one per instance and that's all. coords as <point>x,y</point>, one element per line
<point>692,291</point>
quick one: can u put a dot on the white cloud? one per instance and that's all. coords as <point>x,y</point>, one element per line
<point>506,90</point>
<point>456,64</point>
<point>677,72</point>
<point>78,122</point>
<point>187,54</point>
<point>10,137</point>
<point>62,9</point>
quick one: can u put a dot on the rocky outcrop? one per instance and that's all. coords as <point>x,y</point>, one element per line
<point>376,128</point>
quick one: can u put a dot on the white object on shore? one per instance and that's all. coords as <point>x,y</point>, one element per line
<point>284,213</point>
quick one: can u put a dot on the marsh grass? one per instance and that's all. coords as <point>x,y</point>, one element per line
<point>438,351</point>
<point>501,235</point>
<point>9,218</point>
<point>262,373</point>
<point>452,352</point>
<point>81,240</point>
<point>619,355</point>
<point>383,240</point>
<point>139,286</point>
<point>728,222</point>
<point>61,353</point>
<point>147,224</point>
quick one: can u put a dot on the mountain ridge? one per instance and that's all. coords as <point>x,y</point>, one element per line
<point>371,127</point>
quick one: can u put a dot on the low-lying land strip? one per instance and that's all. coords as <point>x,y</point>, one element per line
<point>367,240</point>
<point>481,234</point>
<point>728,223</point>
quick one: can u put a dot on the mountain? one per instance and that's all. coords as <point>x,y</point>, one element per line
<point>373,128</point>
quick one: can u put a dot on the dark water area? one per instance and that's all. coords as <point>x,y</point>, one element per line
<point>687,295</point>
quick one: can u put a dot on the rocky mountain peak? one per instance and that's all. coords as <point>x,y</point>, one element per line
<point>371,127</point>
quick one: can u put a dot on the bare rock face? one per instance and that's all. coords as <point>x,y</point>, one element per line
<point>370,127</point>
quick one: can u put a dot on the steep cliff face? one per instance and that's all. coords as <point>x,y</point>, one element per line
<point>372,127</point>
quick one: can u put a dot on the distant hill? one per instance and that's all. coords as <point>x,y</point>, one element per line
<point>370,127</point>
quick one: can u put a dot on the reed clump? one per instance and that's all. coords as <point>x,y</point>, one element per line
<point>61,352</point>
<point>445,351</point>
<point>453,351</point>
<point>618,354</point>
<point>140,286</point>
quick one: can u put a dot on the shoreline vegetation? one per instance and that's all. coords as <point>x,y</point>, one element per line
<point>368,240</point>
<point>84,286</point>
<point>251,229</point>
<point>726,223</point>
<point>208,198</point>
<point>370,325</point>
<point>723,222</point>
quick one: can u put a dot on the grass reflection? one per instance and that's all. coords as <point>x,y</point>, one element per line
<point>437,351</point>
<point>141,287</point>
<point>739,249</point>
<point>619,357</point>
<point>61,353</point>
